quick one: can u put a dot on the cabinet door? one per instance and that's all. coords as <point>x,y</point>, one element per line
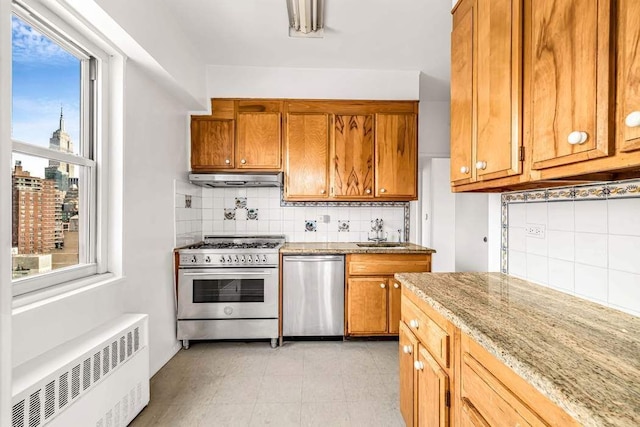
<point>499,88</point>
<point>396,144</point>
<point>470,417</point>
<point>395,293</point>
<point>433,396</point>
<point>259,140</point>
<point>462,135</point>
<point>570,80</point>
<point>367,305</point>
<point>628,119</point>
<point>408,349</point>
<point>211,143</point>
<point>491,399</point>
<point>353,156</point>
<point>307,157</point>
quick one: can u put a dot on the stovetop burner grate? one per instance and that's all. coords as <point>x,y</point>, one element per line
<point>235,245</point>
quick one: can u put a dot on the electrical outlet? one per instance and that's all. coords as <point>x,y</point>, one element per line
<point>535,230</point>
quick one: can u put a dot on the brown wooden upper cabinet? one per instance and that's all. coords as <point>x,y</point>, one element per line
<point>628,117</point>
<point>213,137</point>
<point>368,153</point>
<point>486,90</point>
<point>396,155</point>
<point>307,156</point>
<point>352,152</point>
<point>571,87</point>
<point>239,134</point>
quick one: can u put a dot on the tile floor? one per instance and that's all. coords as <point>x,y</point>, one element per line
<point>298,384</point>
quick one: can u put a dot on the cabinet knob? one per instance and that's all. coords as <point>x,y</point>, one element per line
<point>577,138</point>
<point>633,119</point>
<point>395,285</point>
<point>481,165</point>
<point>243,161</point>
<point>383,190</point>
<point>414,323</point>
<point>464,170</point>
<point>227,161</point>
<point>382,285</point>
<point>418,365</point>
<point>406,349</point>
<point>368,191</point>
<point>323,191</point>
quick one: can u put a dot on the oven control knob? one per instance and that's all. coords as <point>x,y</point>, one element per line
<point>242,259</point>
<point>235,259</point>
<point>207,259</point>
<point>228,258</point>
<point>222,260</point>
<point>264,258</point>
<point>249,259</point>
<point>194,259</point>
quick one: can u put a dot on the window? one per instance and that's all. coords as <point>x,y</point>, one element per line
<point>56,144</point>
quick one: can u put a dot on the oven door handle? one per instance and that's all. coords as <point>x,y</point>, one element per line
<point>251,273</point>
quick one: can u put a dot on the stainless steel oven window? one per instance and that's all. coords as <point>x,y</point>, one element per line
<point>228,290</point>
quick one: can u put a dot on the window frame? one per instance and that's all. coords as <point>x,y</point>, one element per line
<point>92,154</point>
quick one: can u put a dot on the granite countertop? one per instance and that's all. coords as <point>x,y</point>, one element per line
<point>299,248</point>
<point>583,356</point>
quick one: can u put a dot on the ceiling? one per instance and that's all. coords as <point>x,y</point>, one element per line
<point>364,34</point>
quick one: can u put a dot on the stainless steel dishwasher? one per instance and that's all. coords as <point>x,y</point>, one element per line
<point>312,295</point>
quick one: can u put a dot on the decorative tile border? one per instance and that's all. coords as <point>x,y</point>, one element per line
<point>598,191</point>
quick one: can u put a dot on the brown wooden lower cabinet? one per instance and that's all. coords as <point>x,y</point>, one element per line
<point>474,389</point>
<point>373,295</point>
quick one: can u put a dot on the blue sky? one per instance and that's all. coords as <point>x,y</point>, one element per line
<point>44,78</point>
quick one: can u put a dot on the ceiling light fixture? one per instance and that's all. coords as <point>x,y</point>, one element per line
<point>306,18</point>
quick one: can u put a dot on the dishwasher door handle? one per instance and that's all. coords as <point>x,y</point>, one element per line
<point>305,258</point>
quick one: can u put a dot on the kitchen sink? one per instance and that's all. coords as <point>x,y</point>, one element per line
<point>382,245</point>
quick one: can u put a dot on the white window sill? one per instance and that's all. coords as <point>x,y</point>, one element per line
<point>33,300</point>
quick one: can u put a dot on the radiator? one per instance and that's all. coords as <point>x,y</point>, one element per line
<point>99,379</point>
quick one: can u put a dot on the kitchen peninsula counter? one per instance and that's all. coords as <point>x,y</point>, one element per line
<point>582,356</point>
<point>300,248</point>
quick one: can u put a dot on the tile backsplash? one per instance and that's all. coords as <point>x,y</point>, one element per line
<point>188,213</point>
<point>588,247</point>
<point>225,211</point>
<point>258,211</point>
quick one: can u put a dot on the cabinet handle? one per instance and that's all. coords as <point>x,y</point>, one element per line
<point>633,119</point>
<point>368,191</point>
<point>395,285</point>
<point>418,365</point>
<point>481,165</point>
<point>227,161</point>
<point>243,161</point>
<point>414,323</point>
<point>406,349</point>
<point>382,285</point>
<point>464,170</point>
<point>382,190</point>
<point>577,138</point>
<point>323,191</point>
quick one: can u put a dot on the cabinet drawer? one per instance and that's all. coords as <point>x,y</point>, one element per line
<point>493,401</point>
<point>431,335</point>
<point>387,264</point>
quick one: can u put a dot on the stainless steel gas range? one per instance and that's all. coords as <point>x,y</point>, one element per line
<point>228,288</point>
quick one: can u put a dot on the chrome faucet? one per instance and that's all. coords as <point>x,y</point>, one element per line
<point>376,227</point>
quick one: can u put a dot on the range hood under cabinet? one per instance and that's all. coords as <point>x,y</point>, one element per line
<point>212,180</point>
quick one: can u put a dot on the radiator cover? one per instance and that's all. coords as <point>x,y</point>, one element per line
<point>98,379</point>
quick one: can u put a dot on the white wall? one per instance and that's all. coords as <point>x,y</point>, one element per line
<point>590,248</point>
<point>154,156</point>
<point>145,31</point>
<point>310,83</point>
